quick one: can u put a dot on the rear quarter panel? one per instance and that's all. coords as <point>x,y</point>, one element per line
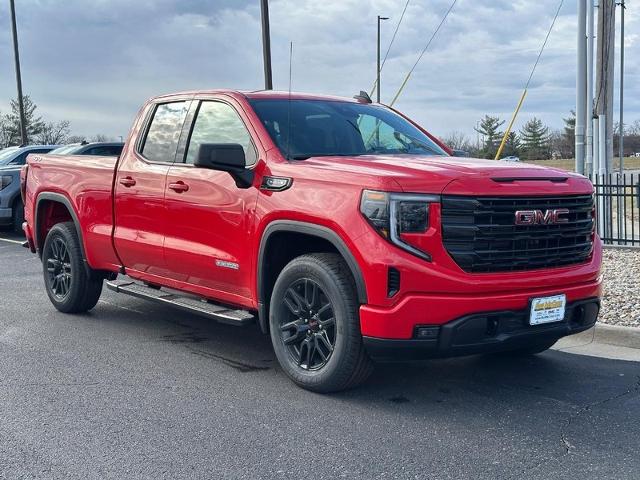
<point>86,182</point>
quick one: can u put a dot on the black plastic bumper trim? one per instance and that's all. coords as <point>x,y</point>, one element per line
<point>485,332</point>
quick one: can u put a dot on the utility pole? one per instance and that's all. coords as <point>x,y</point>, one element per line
<point>621,132</point>
<point>589,126</point>
<point>378,69</point>
<point>266,44</point>
<point>604,80</point>
<point>581,85</point>
<point>16,55</point>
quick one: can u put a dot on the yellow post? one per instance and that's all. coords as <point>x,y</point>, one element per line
<point>508,130</point>
<point>406,79</point>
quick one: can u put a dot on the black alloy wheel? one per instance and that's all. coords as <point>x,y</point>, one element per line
<point>309,328</point>
<point>59,270</point>
<point>314,324</point>
<point>72,286</point>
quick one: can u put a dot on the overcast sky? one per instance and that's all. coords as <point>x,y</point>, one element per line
<point>95,62</point>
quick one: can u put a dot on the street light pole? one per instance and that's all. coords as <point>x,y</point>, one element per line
<point>378,69</point>
<point>581,87</point>
<point>266,44</point>
<point>16,55</point>
<point>621,131</point>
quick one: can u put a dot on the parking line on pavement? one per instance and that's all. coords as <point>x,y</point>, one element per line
<point>17,242</point>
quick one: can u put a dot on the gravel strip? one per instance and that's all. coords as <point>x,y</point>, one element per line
<point>621,299</point>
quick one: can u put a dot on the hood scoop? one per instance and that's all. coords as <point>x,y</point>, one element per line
<point>529,179</point>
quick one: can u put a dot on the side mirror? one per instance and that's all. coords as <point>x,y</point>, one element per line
<point>226,157</point>
<point>460,153</point>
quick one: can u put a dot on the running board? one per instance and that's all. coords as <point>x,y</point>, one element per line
<point>186,303</point>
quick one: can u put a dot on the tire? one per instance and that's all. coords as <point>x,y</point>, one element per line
<point>334,357</point>
<point>70,284</point>
<point>533,349</point>
<point>18,215</point>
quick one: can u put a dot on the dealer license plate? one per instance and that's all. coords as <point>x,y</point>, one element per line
<point>547,309</point>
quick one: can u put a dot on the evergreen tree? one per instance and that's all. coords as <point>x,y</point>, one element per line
<point>569,144</point>
<point>489,129</point>
<point>512,145</point>
<point>535,140</point>
<point>34,123</point>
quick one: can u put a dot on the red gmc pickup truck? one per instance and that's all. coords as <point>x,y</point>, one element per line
<point>343,229</point>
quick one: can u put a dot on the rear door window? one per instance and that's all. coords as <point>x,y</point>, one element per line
<point>163,133</point>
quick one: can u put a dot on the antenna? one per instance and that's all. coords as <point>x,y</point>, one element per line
<point>289,105</point>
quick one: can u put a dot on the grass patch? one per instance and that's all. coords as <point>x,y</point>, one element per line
<point>630,163</point>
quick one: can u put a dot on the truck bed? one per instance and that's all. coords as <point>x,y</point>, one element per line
<point>86,182</point>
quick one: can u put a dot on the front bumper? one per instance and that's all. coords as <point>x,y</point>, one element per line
<point>485,333</point>
<point>400,320</point>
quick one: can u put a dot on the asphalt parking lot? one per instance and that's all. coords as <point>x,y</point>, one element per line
<point>133,390</point>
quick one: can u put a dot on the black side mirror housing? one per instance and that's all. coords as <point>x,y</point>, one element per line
<point>226,157</point>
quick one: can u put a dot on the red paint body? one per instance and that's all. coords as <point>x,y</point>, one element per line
<point>171,237</point>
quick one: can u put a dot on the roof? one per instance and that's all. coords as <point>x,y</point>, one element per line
<point>34,147</point>
<point>275,94</point>
<point>262,94</point>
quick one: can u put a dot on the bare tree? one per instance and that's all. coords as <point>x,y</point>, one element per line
<point>76,139</point>
<point>54,133</point>
<point>100,137</point>
<point>633,129</point>
<point>457,141</point>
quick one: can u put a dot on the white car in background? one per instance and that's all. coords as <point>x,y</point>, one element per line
<point>510,158</point>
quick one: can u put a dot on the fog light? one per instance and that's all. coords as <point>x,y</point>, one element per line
<point>427,333</point>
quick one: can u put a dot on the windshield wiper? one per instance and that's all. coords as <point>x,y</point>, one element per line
<point>305,156</point>
<point>415,143</point>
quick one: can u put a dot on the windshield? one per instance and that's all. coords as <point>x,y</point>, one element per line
<point>327,128</point>
<point>65,150</point>
<point>7,154</point>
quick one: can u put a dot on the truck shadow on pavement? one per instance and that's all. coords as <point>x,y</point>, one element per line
<point>555,376</point>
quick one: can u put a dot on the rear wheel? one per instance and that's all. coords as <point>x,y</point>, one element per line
<point>314,324</point>
<point>18,215</point>
<point>71,285</point>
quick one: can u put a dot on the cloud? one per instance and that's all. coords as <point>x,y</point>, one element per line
<point>95,63</point>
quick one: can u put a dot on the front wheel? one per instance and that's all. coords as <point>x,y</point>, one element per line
<point>314,324</point>
<point>69,283</point>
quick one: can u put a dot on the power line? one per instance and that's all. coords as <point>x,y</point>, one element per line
<point>424,50</point>
<point>526,87</point>
<point>546,39</point>
<point>394,34</point>
<point>375,82</point>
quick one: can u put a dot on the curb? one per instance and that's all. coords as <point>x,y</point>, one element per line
<point>628,337</point>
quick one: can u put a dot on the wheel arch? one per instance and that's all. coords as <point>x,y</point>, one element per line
<point>319,237</point>
<point>49,207</point>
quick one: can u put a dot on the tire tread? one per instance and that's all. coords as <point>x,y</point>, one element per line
<point>357,366</point>
<point>88,287</point>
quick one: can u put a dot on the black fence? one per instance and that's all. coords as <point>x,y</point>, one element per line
<point>618,208</point>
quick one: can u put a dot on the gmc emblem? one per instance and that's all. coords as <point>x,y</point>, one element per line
<point>538,217</point>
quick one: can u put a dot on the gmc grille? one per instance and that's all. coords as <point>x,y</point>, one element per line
<point>481,236</point>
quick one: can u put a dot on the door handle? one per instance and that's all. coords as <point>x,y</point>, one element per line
<point>127,181</point>
<point>179,186</point>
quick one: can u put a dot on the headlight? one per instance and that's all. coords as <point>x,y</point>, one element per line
<point>5,181</point>
<point>394,214</point>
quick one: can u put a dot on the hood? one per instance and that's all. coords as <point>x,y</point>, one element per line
<point>459,175</point>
